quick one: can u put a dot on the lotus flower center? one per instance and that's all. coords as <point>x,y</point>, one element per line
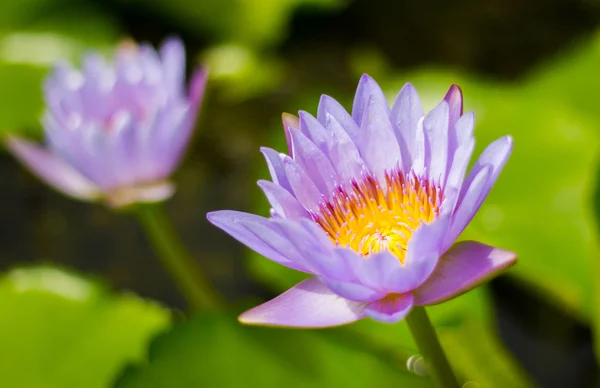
<point>369,218</point>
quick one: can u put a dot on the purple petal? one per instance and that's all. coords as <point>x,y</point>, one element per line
<point>257,233</point>
<point>172,54</point>
<point>178,136</point>
<point>454,99</point>
<point>435,125</point>
<point>405,115</point>
<point>313,129</point>
<point>472,200</point>
<point>343,153</point>
<point>381,272</point>
<point>353,291</point>
<point>466,265</point>
<point>163,142</point>
<point>420,151</point>
<point>289,121</point>
<point>390,309</point>
<point>303,188</point>
<point>423,251</point>
<point>282,201</point>
<point>472,195</point>
<point>275,164</point>
<point>196,90</point>
<point>463,128</point>
<point>328,105</point>
<point>380,149</point>
<point>315,249</point>
<point>495,155</point>
<point>368,90</point>
<point>53,170</point>
<point>314,162</point>
<point>308,304</point>
<point>457,170</point>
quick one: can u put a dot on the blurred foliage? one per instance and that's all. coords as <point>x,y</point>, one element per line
<point>242,73</point>
<point>59,330</point>
<point>214,350</point>
<point>251,23</point>
<point>33,35</point>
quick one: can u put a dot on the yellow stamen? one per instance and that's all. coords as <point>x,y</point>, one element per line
<point>368,218</point>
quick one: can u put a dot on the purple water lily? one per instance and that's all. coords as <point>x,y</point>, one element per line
<point>116,131</point>
<point>371,204</point>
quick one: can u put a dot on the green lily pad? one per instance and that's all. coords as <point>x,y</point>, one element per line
<point>60,330</point>
<point>214,350</point>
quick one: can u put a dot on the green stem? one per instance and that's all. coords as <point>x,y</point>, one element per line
<point>429,345</point>
<point>175,258</point>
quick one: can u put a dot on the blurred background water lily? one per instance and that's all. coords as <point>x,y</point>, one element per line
<point>116,131</point>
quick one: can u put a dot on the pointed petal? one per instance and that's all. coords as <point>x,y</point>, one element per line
<point>495,155</point>
<point>275,164</point>
<point>308,304</point>
<point>367,90</point>
<point>390,309</point>
<point>454,99</point>
<point>196,90</point>
<point>466,209</point>
<point>282,201</point>
<point>303,188</point>
<point>380,149</point>
<point>328,105</point>
<point>289,121</point>
<point>172,55</point>
<point>257,234</point>
<point>464,128</point>
<point>343,153</point>
<point>53,170</point>
<point>421,151</point>
<point>435,125</point>
<point>475,189</point>
<point>314,163</point>
<point>466,265</point>
<point>313,129</point>
<point>405,115</point>
<point>183,133</point>
<point>456,175</point>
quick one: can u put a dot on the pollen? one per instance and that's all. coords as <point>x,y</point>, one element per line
<point>369,218</point>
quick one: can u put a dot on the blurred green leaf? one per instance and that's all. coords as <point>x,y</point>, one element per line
<point>33,45</point>
<point>59,330</point>
<point>241,72</point>
<point>572,82</point>
<point>214,350</point>
<point>253,23</point>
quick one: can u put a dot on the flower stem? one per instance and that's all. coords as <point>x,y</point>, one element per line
<point>175,259</point>
<point>429,345</point>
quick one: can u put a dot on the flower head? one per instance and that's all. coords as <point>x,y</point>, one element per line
<point>371,204</point>
<point>116,131</point>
